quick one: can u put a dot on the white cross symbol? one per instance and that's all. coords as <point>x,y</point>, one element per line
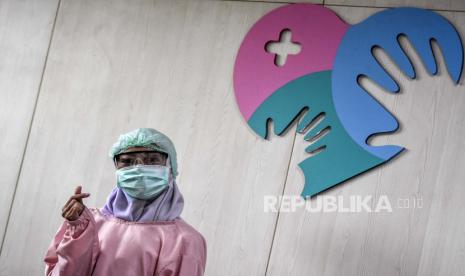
<point>283,47</point>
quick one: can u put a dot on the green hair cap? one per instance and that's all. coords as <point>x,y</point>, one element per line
<point>148,138</point>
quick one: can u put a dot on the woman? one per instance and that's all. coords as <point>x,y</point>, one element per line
<point>139,230</point>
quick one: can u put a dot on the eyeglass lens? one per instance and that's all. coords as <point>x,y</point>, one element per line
<point>142,158</point>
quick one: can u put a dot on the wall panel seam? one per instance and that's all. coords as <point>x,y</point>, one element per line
<point>333,5</point>
<point>279,205</point>
<point>387,7</point>
<point>30,127</point>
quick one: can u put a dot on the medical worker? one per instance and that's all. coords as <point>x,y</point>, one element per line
<point>139,231</point>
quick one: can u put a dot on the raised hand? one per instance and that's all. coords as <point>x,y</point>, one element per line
<point>74,206</point>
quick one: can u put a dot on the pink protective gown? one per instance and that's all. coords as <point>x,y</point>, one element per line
<point>97,244</point>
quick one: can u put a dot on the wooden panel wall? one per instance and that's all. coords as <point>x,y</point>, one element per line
<point>25,32</point>
<point>113,66</point>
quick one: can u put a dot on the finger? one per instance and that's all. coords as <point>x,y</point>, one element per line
<point>77,197</point>
<point>78,190</point>
<point>70,204</point>
<point>67,203</point>
<point>73,197</point>
<point>75,211</point>
<point>80,197</point>
<point>72,213</point>
<point>78,209</point>
<point>69,207</point>
<point>67,215</point>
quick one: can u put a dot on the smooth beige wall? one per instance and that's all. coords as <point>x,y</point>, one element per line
<point>76,74</point>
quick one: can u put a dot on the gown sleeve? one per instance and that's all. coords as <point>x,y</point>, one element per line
<point>188,264</point>
<point>74,249</point>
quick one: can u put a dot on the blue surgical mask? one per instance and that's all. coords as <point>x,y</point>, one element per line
<point>143,181</point>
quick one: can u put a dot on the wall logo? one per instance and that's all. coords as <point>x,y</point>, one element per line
<point>320,75</point>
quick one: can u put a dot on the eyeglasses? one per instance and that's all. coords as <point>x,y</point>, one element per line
<point>143,157</point>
